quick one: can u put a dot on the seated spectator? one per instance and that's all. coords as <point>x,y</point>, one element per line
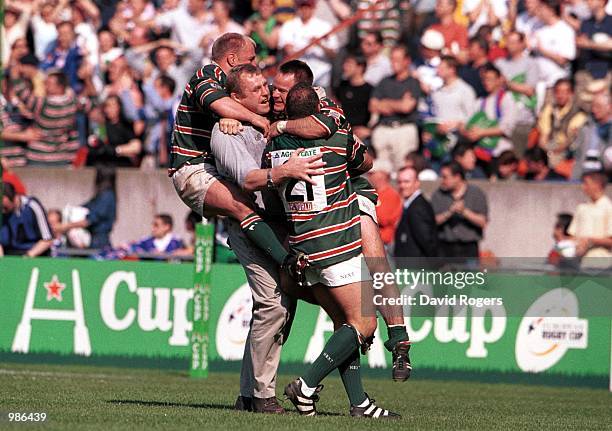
<point>478,58</point>
<point>506,166</point>
<point>378,65</point>
<point>564,247</point>
<point>395,100</point>
<point>353,94</point>
<point>594,40</point>
<point>161,241</point>
<point>389,207</point>
<point>559,123</point>
<point>102,210</point>
<point>55,115</point>
<point>264,29</point>
<point>113,142</point>
<point>595,138</point>
<point>554,44</point>
<point>491,127</point>
<point>416,161</point>
<point>463,154</point>
<point>538,168</point>
<point>59,239</point>
<point>592,223</point>
<point>25,230</point>
<point>520,73</point>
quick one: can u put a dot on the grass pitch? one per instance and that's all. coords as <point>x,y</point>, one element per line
<point>103,398</point>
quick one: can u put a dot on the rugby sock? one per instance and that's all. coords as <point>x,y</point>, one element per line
<point>396,334</point>
<point>341,345</point>
<point>350,373</point>
<point>262,235</point>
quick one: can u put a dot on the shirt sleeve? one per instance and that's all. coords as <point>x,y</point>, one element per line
<point>41,220</point>
<point>208,90</point>
<point>437,203</point>
<point>479,203</point>
<point>231,158</point>
<point>355,152</point>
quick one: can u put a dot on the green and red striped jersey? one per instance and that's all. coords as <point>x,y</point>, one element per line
<point>194,119</point>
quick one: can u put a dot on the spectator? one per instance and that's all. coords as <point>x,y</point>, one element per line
<point>297,34</point>
<point>159,114</point>
<point>188,23</point>
<point>378,65</point>
<point>416,161</point>
<point>463,153</point>
<point>455,35</point>
<point>113,142</point>
<point>59,239</point>
<point>102,210</point>
<point>461,213</point>
<point>432,43</point>
<point>108,51</point>
<point>564,247</point>
<point>416,234</point>
<point>592,223</point>
<point>55,115</point>
<point>25,230</point>
<point>507,166</point>
<point>478,57</point>
<point>395,101</point>
<point>191,221</point>
<point>222,23</point>
<point>528,22</point>
<point>538,168</point>
<point>554,44</point>
<point>490,128</point>
<point>481,12</point>
<point>264,29</point>
<point>520,73</point>
<point>389,207</point>
<point>162,241</point>
<point>595,138</point>
<point>354,93</point>
<point>16,18</point>
<point>559,123</point>
<point>594,40</point>
<point>64,54</point>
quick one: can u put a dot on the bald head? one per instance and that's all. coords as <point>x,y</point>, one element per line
<point>233,49</point>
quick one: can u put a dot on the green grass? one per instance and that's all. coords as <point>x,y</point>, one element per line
<point>104,398</point>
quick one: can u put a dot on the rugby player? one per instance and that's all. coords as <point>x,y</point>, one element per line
<point>324,220</point>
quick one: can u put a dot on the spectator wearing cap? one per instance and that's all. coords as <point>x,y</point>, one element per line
<point>416,234</point>
<point>594,40</point>
<point>461,211</point>
<point>554,44</point>
<point>378,65</point>
<point>431,46</point>
<point>389,206</point>
<point>478,56</point>
<point>297,34</point>
<point>455,35</point>
<point>594,140</point>
<point>25,230</point>
<point>354,93</point>
<point>559,122</point>
<point>395,101</point>
<point>538,168</point>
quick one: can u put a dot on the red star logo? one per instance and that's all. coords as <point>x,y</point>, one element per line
<point>54,289</point>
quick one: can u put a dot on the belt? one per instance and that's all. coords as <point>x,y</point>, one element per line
<point>205,157</point>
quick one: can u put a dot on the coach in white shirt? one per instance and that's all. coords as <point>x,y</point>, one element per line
<point>297,33</point>
<point>555,44</point>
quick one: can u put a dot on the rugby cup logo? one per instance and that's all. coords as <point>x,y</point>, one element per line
<point>233,325</point>
<point>550,327</point>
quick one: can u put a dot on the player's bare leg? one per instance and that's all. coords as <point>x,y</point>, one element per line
<point>398,342</point>
<point>342,351</point>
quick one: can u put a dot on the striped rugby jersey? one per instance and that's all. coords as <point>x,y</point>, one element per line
<point>194,119</point>
<point>324,219</point>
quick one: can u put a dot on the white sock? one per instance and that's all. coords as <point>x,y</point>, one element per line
<point>307,390</point>
<point>365,403</point>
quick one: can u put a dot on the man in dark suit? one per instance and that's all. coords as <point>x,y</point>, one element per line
<point>416,234</point>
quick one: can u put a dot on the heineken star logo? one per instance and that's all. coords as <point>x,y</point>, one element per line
<point>54,289</point>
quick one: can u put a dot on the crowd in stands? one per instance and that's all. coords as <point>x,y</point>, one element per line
<point>508,88</point>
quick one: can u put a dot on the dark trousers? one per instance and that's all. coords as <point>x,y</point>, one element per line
<point>458,249</point>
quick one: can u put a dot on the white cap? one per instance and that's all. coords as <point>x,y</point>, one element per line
<point>433,40</point>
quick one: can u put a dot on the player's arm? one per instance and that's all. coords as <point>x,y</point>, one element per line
<point>359,160</point>
<point>321,125</point>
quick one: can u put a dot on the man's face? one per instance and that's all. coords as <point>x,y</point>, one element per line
<point>195,6</point>
<point>159,229</point>
<point>245,55</point>
<point>514,44</point>
<point>305,11</point>
<point>467,161</point>
<point>282,84</point>
<point>600,109</point>
<point>399,61</point>
<point>65,36</point>
<point>491,82</point>
<point>590,187</point>
<point>507,170</point>
<point>255,95</point>
<point>562,94</point>
<point>444,71</point>
<point>165,58</point>
<point>369,46</point>
<point>52,87</point>
<point>449,182</point>
<point>408,182</point>
<point>443,8</point>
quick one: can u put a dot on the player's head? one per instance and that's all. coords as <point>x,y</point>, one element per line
<point>452,176</point>
<point>161,226</point>
<point>233,49</point>
<point>408,181</point>
<point>289,74</point>
<point>247,86</point>
<point>302,101</point>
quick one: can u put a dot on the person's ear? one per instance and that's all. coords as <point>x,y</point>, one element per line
<point>232,59</point>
